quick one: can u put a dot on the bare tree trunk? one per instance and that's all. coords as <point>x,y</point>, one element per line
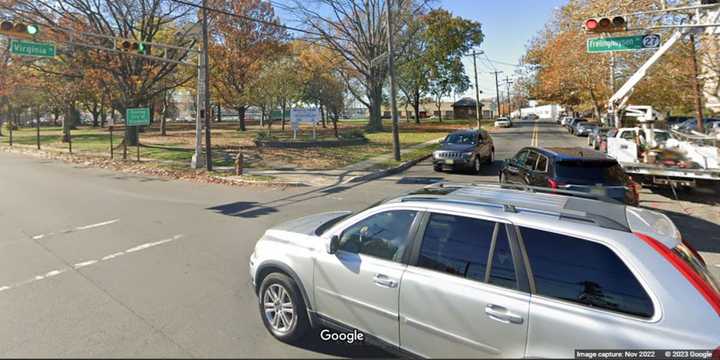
<point>323,116</point>
<point>335,121</point>
<point>375,109</point>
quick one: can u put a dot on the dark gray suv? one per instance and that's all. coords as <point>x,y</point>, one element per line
<point>464,150</point>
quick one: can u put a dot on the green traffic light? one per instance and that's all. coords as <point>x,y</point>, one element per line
<point>141,48</point>
<point>32,29</point>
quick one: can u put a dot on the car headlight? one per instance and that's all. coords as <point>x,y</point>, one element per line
<point>435,154</point>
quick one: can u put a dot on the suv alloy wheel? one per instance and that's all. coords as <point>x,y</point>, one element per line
<point>282,308</point>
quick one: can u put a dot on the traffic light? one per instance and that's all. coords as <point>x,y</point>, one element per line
<point>130,45</point>
<point>19,29</point>
<point>605,24</point>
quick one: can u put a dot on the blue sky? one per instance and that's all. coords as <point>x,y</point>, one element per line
<point>508,26</point>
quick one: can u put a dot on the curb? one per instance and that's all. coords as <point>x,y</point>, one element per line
<point>387,172</point>
<point>256,182</point>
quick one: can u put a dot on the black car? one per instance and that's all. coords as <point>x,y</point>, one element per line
<point>464,150</point>
<point>572,168</point>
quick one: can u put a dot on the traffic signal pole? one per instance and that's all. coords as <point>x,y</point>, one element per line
<point>206,87</point>
<point>497,90</point>
<point>393,88</point>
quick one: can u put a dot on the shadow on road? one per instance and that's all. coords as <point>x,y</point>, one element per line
<point>709,195</point>
<point>240,209</point>
<point>313,342</point>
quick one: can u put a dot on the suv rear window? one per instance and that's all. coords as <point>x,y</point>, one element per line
<point>584,172</point>
<point>583,272</point>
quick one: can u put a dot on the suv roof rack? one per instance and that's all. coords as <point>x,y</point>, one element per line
<point>577,210</point>
<point>528,188</point>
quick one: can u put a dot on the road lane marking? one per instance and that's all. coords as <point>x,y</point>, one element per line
<point>78,228</point>
<point>87,263</point>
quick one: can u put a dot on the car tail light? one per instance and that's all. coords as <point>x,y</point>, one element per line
<point>554,184</point>
<point>716,354</point>
<point>710,295</point>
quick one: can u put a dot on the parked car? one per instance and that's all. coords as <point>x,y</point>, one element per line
<point>573,123</point>
<point>485,271</point>
<point>570,168</point>
<point>503,122</point>
<point>691,124</point>
<point>464,150</point>
<point>674,120</point>
<point>598,135</point>
<point>584,128</point>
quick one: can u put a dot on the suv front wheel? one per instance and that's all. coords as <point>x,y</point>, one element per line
<point>282,308</point>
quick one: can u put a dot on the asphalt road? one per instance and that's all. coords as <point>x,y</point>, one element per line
<point>101,264</point>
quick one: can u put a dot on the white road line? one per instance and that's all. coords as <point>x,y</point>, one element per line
<point>87,263</point>
<point>97,225</point>
<point>84,264</point>
<point>78,228</point>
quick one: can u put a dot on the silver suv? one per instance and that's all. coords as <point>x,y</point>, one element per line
<point>489,271</point>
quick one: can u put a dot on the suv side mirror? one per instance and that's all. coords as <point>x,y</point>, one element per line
<point>332,246</point>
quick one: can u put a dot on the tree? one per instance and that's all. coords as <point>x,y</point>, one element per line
<point>241,48</point>
<point>434,63</point>
<point>138,79</point>
<point>356,30</point>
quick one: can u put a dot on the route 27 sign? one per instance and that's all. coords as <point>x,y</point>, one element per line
<point>623,43</point>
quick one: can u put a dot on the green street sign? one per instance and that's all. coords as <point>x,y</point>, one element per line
<point>30,48</point>
<point>137,117</point>
<point>623,43</point>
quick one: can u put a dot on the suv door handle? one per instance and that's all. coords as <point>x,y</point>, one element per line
<point>502,314</point>
<point>383,280</point>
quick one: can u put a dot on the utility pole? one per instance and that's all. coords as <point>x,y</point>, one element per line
<point>507,83</point>
<point>206,88</point>
<point>497,90</point>
<point>197,161</point>
<point>478,116</point>
<point>612,82</point>
<point>696,87</point>
<point>393,89</point>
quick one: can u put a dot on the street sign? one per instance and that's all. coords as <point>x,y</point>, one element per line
<point>623,43</point>
<point>30,48</point>
<point>137,116</point>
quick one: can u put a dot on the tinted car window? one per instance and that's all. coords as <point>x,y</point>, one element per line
<point>462,139</point>
<point>583,272</point>
<point>457,245</point>
<point>502,270</point>
<point>628,135</point>
<point>521,156</point>
<point>590,172</point>
<point>542,164</point>
<point>531,160</point>
<point>383,235</point>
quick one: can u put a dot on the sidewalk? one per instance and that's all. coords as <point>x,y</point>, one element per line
<point>362,169</point>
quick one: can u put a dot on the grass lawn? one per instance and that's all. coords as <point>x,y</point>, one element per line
<point>175,150</point>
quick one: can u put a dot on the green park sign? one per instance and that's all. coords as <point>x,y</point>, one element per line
<point>30,48</point>
<point>623,43</point>
<point>138,116</point>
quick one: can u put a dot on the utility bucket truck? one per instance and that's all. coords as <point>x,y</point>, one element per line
<point>652,156</point>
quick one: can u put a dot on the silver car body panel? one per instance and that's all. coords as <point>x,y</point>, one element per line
<point>439,315</point>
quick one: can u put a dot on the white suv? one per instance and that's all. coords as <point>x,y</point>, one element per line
<point>489,271</point>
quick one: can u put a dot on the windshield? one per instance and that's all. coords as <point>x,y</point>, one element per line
<point>461,139</point>
<point>584,172</point>
<point>662,136</point>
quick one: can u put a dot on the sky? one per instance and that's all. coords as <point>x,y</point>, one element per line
<point>508,26</point>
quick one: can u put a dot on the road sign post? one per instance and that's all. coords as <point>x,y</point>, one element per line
<point>623,43</point>
<point>31,48</point>
<point>137,117</point>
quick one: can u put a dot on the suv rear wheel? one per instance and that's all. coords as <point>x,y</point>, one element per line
<point>282,308</point>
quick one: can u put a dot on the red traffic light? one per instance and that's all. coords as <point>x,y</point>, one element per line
<point>7,26</point>
<point>606,24</point>
<point>591,24</point>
